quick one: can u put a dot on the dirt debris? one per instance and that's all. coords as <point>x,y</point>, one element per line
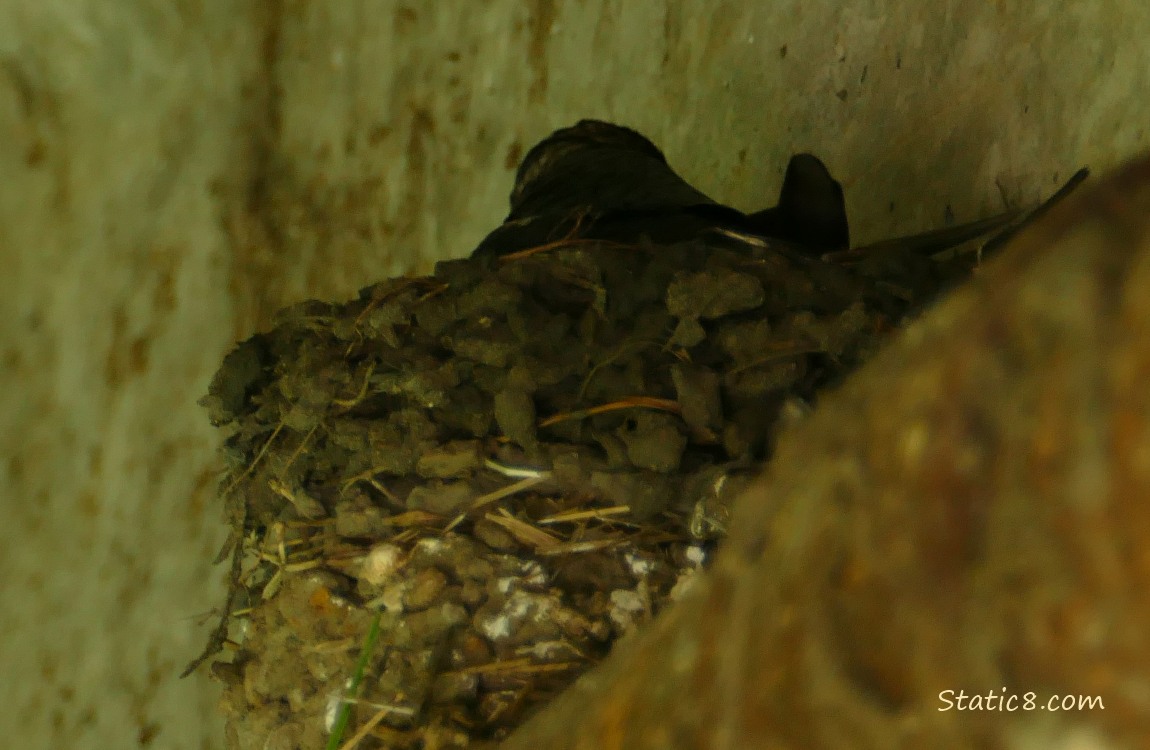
<point>377,432</point>
<point>515,462</point>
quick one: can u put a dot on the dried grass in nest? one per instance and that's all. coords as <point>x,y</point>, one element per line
<point>500,470</point>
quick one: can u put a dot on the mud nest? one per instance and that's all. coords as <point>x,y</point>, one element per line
<point>456,493</point>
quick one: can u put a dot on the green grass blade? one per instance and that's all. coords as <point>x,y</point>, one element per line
<point>343,716</point>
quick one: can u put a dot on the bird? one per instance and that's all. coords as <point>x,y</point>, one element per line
<point>597,180</point>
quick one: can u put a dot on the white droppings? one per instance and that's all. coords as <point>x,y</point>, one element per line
<point>520,606</point>
<point>640,566</point>
<point>496,628</point>
<point>331,709</point>
<point>517,606</point>
<point>523,604</point>
<point>533,574</point>
<point>624,606</point>
<point>430,544</point>
<point>548,650</point>
<point>392,598</point>
<point>380,564</point>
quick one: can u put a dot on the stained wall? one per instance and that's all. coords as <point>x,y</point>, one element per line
<point>174,172</point>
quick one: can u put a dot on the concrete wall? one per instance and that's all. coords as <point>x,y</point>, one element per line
<point>173,172</point>
<point>122,132</point>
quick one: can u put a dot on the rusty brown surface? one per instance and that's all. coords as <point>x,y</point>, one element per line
<point>968,513</point>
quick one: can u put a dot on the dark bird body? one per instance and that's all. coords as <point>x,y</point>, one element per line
<point>601,181</point>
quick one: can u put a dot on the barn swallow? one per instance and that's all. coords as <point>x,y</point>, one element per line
<point>608,182</point>
<point>600,181</point>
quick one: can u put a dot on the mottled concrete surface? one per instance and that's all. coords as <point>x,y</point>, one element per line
<point>174,172</point>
